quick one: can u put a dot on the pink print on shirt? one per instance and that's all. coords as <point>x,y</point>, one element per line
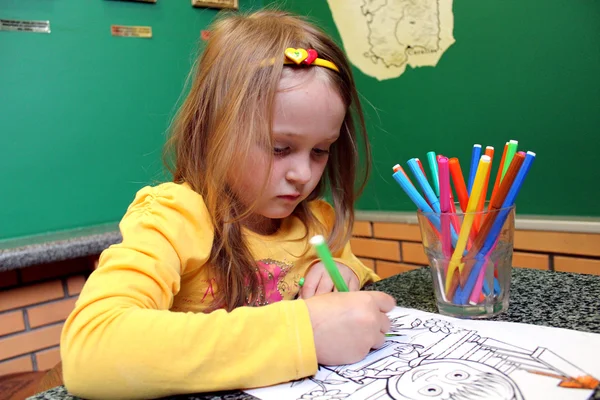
<point>272,274</point>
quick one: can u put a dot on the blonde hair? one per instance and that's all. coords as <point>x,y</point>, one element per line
<point>229,109</point>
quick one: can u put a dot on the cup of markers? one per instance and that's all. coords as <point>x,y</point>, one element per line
<point>468,242</point>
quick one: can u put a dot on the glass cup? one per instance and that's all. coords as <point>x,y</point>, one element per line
<point>470,255</point>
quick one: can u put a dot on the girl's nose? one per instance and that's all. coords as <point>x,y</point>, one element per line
<point>299,171</point>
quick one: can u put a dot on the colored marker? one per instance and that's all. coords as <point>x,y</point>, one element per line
<point>420,202</point>
<point>444,180</point>
<point>463,236</point>
<point>475,155</point>
<point>318,241</point>
<point>509,201</point>
<point>421,167</point>
<point>488,221</point>
<point>489,151</point>
<point>498,175</point>
<point>510,153</point>
<point>459,183</point>
<point>476,294</point>
<point>398,167</point>
<point>454,218</point>
<point>433,166</point>
<point>422,180</point>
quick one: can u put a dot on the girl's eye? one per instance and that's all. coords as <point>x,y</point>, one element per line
<point>320,152</point>
<point>279,151</point>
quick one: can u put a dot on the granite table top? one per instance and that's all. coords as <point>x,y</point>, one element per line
<point>531,293</point>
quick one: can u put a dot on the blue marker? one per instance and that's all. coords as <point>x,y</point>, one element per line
<point>427,190</point>
<point>486,289</point>
<point>412,192</point>
<point>474,163</point>
<point>509,201</point>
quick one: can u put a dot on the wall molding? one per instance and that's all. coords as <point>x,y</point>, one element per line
<point>524,222</point>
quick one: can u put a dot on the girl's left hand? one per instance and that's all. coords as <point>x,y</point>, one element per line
<point>317,280</point>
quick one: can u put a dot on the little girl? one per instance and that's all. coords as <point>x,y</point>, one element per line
<point>204,294</point>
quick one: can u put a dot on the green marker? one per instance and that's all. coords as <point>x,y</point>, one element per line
<point>433,166</point>
<point>319,244</point>
<point>510,154</point>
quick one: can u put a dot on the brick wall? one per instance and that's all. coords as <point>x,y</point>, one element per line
<point>393,248</point>
<point>34,302</point>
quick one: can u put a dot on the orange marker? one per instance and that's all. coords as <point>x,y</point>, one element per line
<point>397,168</point>
<point>459,183</point>
<point>498,176</point>
<point>505,186</point>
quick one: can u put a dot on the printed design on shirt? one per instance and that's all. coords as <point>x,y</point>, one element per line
<point>272,274</point>
<point>209,290</point>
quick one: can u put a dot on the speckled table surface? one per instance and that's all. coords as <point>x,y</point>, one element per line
<point>555,299</point>
<point>58,246</point>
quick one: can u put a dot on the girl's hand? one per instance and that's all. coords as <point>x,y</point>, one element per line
<point>346,326</point>
<point>318,281</point>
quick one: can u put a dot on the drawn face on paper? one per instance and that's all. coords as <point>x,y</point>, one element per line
<point>453,379</point>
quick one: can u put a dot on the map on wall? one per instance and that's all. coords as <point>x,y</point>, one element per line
<point>382,37</point>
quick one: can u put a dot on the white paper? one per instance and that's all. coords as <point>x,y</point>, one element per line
<point>438,357</point>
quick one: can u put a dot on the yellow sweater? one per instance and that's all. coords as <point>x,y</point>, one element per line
<point>140,328</point>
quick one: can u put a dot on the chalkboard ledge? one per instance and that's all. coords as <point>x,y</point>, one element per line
<point>525,222</point>
<point>65,245</point>
<point>57,246</point>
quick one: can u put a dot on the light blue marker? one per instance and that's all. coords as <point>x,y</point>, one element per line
<point>421,204</point>
<point>427,190</point>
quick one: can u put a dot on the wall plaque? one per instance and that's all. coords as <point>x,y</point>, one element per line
<point>231,4</point>
<point>24,26</point>
<point>131,31</point>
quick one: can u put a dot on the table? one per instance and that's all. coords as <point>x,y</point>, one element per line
<point>556,299</point>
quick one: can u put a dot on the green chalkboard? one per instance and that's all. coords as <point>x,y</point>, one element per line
<point>527,70</point>
<point>82,113</point>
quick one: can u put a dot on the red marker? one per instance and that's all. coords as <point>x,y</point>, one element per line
<point>421,166</point>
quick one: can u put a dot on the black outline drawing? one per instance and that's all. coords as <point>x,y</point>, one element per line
<point>398,51</point>
<point>436,359</point>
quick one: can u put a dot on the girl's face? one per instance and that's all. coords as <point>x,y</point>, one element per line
<point>307,118</point>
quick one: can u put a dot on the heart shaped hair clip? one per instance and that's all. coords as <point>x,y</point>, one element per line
<point>307,57</point>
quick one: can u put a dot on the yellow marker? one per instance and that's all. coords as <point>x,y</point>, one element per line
<point>463,236</point>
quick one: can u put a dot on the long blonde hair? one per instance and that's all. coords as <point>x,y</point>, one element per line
<point>229,109</point>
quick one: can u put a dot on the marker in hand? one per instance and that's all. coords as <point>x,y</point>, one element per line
<point>320,246</point>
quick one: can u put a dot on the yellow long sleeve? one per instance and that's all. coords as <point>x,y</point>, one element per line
<point>122,340</point>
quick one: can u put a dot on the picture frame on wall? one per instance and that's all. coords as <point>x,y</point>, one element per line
<point>223,4</point>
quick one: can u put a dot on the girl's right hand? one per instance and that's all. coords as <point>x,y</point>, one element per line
<point>346,326</point>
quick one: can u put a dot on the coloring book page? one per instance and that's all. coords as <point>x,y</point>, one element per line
<point>431,356</point>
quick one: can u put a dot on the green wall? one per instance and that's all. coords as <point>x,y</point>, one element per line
<point>527,70</point>
<point>82,113</point>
